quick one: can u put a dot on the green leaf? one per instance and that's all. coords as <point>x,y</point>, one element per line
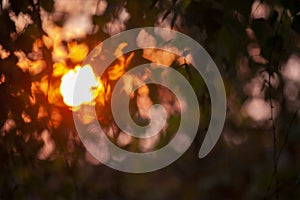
<point>184,5</point>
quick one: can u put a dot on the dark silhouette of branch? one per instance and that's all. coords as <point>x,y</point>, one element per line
<point>270,70</point>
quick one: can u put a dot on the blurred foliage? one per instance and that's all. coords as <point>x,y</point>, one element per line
<point>248,43</point>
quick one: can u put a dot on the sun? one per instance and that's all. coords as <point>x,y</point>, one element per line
<point>80,86</point>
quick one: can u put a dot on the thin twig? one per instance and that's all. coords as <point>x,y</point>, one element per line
<point>287,132</point>
<point>270,72</point>
<point>94,27</point>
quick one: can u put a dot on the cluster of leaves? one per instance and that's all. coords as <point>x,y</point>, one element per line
<point>221,27</point>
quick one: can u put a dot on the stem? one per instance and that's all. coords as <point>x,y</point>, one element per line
<point>271,70</point>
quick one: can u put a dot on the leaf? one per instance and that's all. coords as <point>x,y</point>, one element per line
<point>184,5</point>
<point>166,15</point>
<point>7,26</point>
<point>298,180</point>
<point>19,6</point>
<point>273,18</point>
<point>25,41</point>
<point>174,20</point>
<point>4,98</point>
<point>99,20</point>
<point>262,30</point>
<point>292,6</point>
<point>47,5</point>
<point>154,2</point>
<point>296,23</point>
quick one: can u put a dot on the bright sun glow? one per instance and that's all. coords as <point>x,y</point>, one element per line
<point>87,85</point>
